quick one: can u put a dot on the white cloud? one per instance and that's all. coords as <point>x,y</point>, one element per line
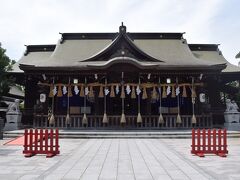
<point>39,22</point>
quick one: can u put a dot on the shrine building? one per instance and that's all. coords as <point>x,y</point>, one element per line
<point>124,80</point>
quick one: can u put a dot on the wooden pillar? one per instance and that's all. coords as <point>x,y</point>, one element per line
<point>214,94</point>
<point>215,100</point>
<point>149,104</point>
<point>31,95</point>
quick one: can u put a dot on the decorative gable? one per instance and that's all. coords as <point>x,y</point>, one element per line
<point>122,46</point>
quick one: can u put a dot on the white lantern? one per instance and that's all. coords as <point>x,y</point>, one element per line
<point>75,81</point>
<point>202,97</point>
<point>42,98</point>
<point>168,80</point>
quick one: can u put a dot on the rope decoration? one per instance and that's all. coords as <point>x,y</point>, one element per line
<point>144,96</point>
<point>84,119</point>
<point>68,119</point>
<point>133,90</point>
<point>112,93</point>
<point>122,93</point>
<point>58,89</point>
<point>105,118</point>
<point>194,120</point>
<point>59,93</point>
<point>81,94</point>
<point>139,117</point>
<point>173,92</point>
<point>184,94</point>
<point>101,95</point>
<point>193,95</point>
<point>179,120</point>
<point>164,94</point>
<point>91,94</point>
<point>160,119</point>
<point>69,91</point>
<point>123,117</point>
<point>52,118</point>
<point>154,93</point>
<point>133,93</point>
<point>51,91</point>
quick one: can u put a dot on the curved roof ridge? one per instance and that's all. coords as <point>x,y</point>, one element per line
<point>101,51</point>
<point>123,60</point>
<point>117,40</point>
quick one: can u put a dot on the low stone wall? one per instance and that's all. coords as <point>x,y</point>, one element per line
<point>1,127</point>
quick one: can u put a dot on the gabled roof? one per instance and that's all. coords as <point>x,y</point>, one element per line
<point>92,50</point>
<point>174,52</point>
<point>211,53</point>
<point>33,55</point>
<point>122,46</point>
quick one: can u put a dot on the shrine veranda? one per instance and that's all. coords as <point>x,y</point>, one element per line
<point>124,80</point>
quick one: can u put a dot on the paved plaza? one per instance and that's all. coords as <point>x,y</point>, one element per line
<point>125,159</point>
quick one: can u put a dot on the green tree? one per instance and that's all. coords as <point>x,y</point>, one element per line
<point>5,65</point>
<point>238,55</point>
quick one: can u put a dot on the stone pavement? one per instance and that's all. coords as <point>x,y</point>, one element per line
<point>120,159</point>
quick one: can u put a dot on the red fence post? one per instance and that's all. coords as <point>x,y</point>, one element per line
<point>28,143</point>
<point>193,142</point>
<point>51,140</point>
<point>214,141</point>
<point>225,141</point>
<point>52,152</point>
<point>41,140</point>
<point>36,141</point>
<point>49,150</point>
<point>204,140</point>
<point>209,140</point>
<point>200,152</point>
<point>196,144</point>
<point>57,143</point>
<point>31,140</point>
<point>198,140</point>
<point>219,141</point>
<point>222,151</point>
<point>25,143</point>
<point>46,141</point>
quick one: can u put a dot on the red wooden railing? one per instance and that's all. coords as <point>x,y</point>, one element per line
<point>209,142</point>
<point>41,141</point>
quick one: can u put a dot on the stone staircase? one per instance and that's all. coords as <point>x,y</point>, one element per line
<point>176,134</point>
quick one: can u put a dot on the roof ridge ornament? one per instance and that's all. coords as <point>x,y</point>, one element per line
<point>122,29</point>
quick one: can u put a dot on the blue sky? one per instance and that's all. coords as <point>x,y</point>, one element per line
<point>28,22</point>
